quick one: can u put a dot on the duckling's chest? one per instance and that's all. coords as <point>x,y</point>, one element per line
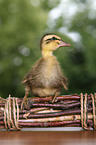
<point>50,70</point>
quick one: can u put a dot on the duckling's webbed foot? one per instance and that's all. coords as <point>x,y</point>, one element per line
<point>30,102</point>
<point>26,103</point>
<point>54,97</point>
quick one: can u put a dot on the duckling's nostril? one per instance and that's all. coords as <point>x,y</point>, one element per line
<point>63,43</point>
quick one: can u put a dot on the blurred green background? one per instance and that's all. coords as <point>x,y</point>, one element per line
<point>22,24</point>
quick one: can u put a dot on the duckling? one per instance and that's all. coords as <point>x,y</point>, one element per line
<point>46,77</point>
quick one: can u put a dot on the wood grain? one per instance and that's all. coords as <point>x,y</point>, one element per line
<point>47,137</point>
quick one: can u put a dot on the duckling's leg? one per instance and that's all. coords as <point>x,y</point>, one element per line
<point>24,103</point>
<point>56,95</point>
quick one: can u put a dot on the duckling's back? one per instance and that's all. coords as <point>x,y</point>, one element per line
<point>45,77</point>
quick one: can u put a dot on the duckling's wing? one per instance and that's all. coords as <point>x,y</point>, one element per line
<point>65,83</point>
<point>28,77</point>
<point>65,86</point>
<point>32,75</point>
<point>25,80</point>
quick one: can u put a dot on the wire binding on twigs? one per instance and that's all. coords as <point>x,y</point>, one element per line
<point>81,96</point>
<point>11,113</point>
<point>84,111</point>
<point>93,104</point>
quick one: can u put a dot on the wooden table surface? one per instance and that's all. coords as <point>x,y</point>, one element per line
<point>47,137</point>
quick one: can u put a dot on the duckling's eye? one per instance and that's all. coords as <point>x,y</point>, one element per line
<point>53,38</point>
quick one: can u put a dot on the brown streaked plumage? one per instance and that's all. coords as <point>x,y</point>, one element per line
<point>46,77</point>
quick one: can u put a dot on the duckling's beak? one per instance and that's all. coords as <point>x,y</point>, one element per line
<point>63,43</point>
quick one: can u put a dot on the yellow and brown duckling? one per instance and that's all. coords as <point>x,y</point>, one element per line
<point>46,77</point>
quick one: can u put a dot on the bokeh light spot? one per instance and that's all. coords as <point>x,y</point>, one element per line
<point>17,61</point>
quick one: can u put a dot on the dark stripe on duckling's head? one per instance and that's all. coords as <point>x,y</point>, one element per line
<point>43,37</point>
<point>47,40</point>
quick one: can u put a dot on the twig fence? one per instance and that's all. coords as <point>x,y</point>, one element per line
<point>67,111</point>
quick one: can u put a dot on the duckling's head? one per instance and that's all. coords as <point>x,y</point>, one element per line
<point>50,42</point>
